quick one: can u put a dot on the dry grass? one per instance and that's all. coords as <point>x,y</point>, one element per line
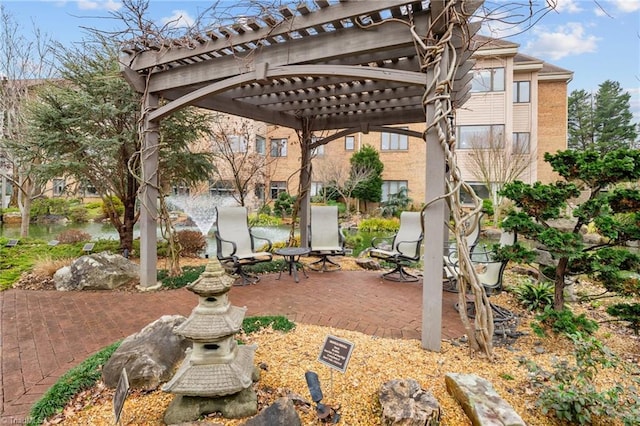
<point>45,266</point>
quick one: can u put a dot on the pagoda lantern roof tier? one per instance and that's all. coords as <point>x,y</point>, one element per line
<point>213,281</point>
<point>205,325</point>
<point>216,379</point>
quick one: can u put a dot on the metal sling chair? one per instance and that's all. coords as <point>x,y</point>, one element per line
<point>325,238</point>
<point>235,242</point>
<point>405,247</point>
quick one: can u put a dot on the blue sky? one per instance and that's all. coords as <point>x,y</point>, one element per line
<point>596,39</point>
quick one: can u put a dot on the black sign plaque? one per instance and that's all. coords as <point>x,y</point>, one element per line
<point>335,353</point>
<point>122,388</point>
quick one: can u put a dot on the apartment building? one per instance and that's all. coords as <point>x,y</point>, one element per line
<point>517,111</point>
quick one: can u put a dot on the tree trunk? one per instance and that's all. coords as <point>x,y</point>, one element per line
<point>558,295</point>
<point>24,203</point>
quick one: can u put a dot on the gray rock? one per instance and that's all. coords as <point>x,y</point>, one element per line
<point>149,356</point>
<point>480,401</point>
<point>405,403</point>
<point>99,271</point>
<point>281,413</point>
<point>190,408</point>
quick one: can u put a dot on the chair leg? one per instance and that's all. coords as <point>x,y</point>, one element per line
<point>399,274</point>
<point>323,267</point>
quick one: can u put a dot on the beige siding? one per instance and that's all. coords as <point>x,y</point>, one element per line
<point>483,108</point>
<point>522,117</point>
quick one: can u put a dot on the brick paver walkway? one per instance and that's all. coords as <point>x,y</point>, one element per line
<point>45,333</point>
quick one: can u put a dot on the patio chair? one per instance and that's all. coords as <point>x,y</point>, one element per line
<point>325,238</point>
<point>403,249</point>
<point>235,243</point>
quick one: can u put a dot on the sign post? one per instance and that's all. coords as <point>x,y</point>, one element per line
<point>122,388</point>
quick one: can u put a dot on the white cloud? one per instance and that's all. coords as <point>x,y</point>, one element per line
<point>179,19</point>
<point>627,6</point>
<point>566,40</point>
<point>111,5</point>
<point>568,6</point>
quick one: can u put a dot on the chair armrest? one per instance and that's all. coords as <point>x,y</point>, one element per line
<point>219,242</point>
<point>416,242</point>
<point>377,242</point>
<point>253,237</point>
<point>341,236</point>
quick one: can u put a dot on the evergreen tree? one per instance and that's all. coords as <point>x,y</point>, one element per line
<point>601,122</point>
<point>580,127</point>
<point>612,118</point>
<point>87,125</point>
<point>369,189</point>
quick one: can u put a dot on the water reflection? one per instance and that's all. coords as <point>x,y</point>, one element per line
<point>105,231</point>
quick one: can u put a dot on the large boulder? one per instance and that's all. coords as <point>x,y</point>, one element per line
<point>281,413</point>
<point>98,271</point>
<point>149,356</point>
<point>480,401</point>
<point>405,403</point>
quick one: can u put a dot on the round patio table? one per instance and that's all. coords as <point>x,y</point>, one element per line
<point>291,257</point>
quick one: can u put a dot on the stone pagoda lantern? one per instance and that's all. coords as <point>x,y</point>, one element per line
<point>217,373</point>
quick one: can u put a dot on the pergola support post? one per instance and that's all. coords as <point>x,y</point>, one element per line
<point>149,197</point>
<point>434,219</point>
<point>305,183</point>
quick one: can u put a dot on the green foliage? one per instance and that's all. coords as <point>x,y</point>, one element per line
<point>396,203</point>
<point>342,207</point>
<point>266,267</point>
<point>601,122</point>
<point>609,210</point>
<point>191,242</point>
<point>487,206</point>
<point>628,313</point>
<point>263,219</point>
<point>280,323</point>
<point>562,322</point>
<point>112,205</point>
<point>353,240</point>
<point>369,189</point>
<point>75,380</point>
<point>189,275</point>
<point>534,296</point>
<point>569,392</point>
<point>41,207</point>
<point>283,205</point>
<point>78,214</point>
<point>379,224</point>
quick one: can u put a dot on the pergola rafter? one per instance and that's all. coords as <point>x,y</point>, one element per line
<point>333,65</point>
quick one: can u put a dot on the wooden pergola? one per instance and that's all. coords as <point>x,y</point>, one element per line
<point>347,66</point>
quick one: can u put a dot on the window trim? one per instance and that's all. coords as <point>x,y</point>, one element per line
<point>491,128</point>
<point>517,92</point>
<point>281,150</point>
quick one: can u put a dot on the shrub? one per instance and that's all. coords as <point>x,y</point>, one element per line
<point>262,219</point>
<point>571,394</point>
<point>49,206</point>
<point>115,204</point>
<point>71,236</point>
<point>283,205</point>
<point>563,322</point>
<point>189,275</point>
<point>78,214</point>
<point>191,242</point>
<point>535,296</point>
<point>379,224</point>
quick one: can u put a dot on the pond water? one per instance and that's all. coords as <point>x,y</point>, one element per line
<point>105,231</point>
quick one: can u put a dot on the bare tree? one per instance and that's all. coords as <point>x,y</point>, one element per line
<point>239,146</point>
<point>24,65</point>
<point>496,162</point>
<point>342,177</point>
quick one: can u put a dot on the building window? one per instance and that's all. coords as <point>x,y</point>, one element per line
<point>521,91</point>
<point>481,137</point>
<point>89,190</point>
<point>277,187</point>
<point>259,191</point>
<point>488,80</point>
<point>221,188</point>
<point>349,143</point>
<point>279,147</point>
<point>317,151</point>
<point>237,143</point>
<point>180,189</point>
<point>479,188</point>
<point>316,189</point>
<point>521,143</point>
<point>394,142</point>
<point>261,145</point>
<point>391,187</point>
<point>58,187</point>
